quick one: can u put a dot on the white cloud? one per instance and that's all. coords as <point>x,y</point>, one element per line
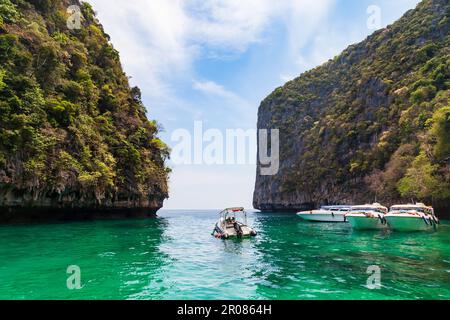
<point>230,103</point>
<point>212,88</point>
<point>231,24</point>
<point>159,40</point>
<point>150,38</point>
<point>326,45</point>
<point>304,18</point>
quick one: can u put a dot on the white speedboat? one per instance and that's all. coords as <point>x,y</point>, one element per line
<point>326,214</point>
<point>233,223</point>
<point>367,217</point>
<point>412,217</point>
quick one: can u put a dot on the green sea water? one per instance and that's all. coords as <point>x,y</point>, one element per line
<point>174,256</point>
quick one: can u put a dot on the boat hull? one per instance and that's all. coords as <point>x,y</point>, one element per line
<point>227,233</point>
<point>322,217</point>
<point>365,223</point>
<point>407,223</point>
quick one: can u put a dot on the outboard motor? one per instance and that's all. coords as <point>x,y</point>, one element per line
<point>238,229</point>
<point>382,219</point>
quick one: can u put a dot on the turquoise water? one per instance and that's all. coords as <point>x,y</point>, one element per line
<point>174,257</point>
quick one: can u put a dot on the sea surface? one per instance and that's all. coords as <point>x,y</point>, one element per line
<point>174,256</point>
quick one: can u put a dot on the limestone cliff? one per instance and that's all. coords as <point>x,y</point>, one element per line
<point>372,123</point>
<point>74,136</point>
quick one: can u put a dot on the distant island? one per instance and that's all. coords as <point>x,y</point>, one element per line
<point>371,124</point>
<point>74,137</point>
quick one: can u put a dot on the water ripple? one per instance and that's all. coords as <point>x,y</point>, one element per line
<point>174,257</point>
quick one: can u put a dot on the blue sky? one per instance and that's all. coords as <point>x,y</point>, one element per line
<point>215,60</point>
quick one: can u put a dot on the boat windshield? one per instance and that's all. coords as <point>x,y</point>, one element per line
<point>336,208</point>
<point>232,215</point>
<point>368,209</point>
<point>405,209</point>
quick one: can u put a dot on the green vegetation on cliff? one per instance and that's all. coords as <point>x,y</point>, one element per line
<point>72,131</point>
<point>373,122</point>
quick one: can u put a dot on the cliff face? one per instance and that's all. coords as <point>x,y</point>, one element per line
<point>73,134</point>
<point>373,123</point>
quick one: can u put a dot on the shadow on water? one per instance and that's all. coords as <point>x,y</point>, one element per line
<point>235,246</point>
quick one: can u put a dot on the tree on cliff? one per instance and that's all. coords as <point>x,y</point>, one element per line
<point>368,123</point>
<point>72,131</point>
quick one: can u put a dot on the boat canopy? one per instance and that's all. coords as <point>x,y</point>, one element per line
<point>336,207</point>
<point>408,207</point>
<point>233,210</point>
<point>417,205</point>
<point>368,207</point>
<point>233,213</point>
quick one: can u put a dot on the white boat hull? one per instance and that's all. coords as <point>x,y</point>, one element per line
<point>231,232</point>
<point>410,223</point>
<point>322,217</point>
<point>365,223</point>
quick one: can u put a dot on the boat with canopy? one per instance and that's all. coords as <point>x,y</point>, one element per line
<point>233,224</point>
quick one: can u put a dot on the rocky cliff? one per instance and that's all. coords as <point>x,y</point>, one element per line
<point>372,123</point>
<point>74,136</point>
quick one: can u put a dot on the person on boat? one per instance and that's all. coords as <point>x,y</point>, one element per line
<point>231,220</point>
